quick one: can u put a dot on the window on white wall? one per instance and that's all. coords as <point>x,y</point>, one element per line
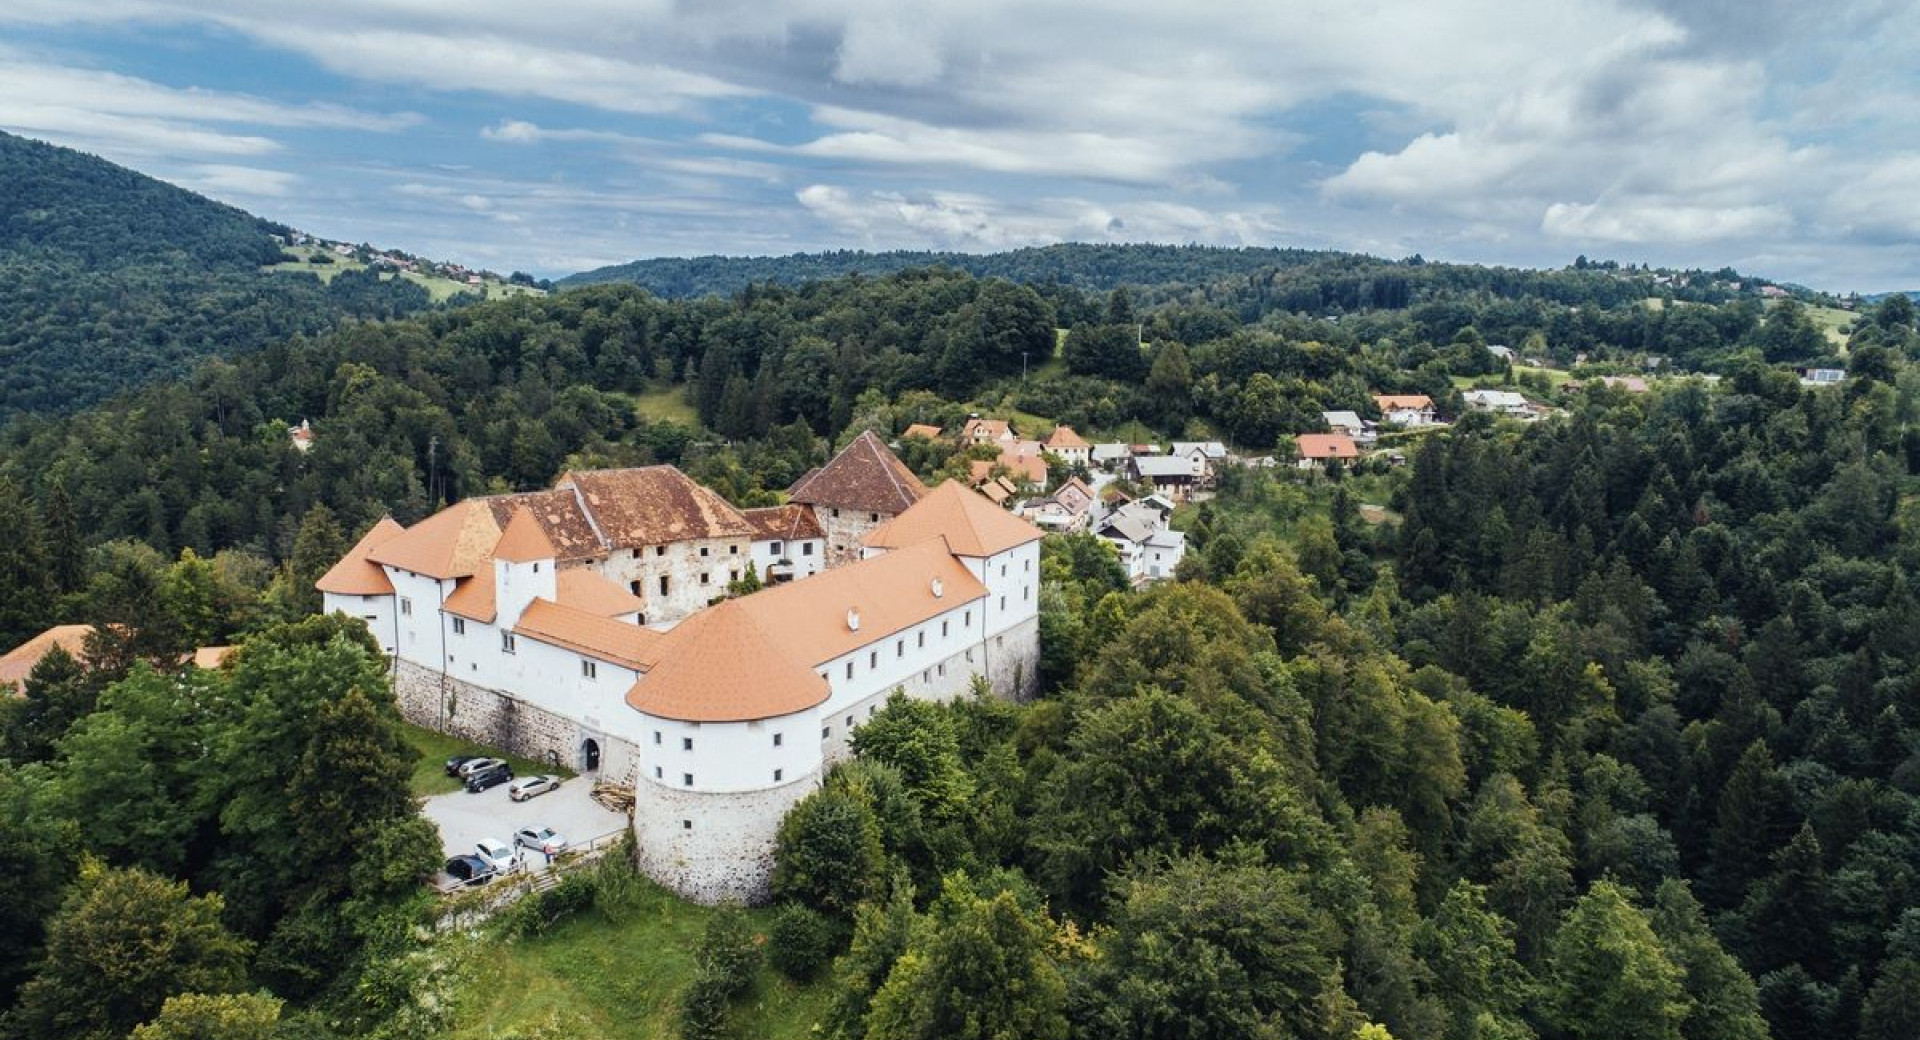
<point>590,669</point>
<point>658,773</point>
<point>920,640</point>
<point>686,825</point>
<point>849,669</point>
<point>778,739</point>
<point>507,644</point>
<point>703,550</point>
<point>777,774</point>
<point>774,548</point>
<point>686,743</point>
<point>406,606</point>
<point>703,577</point>
<point>806,549</point>
<point>686,779</point>
<point>459,626</point>
<point>656,737</point>
<point>825,732</point>
<point>943,629</point>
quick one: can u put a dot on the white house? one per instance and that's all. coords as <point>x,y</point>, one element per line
<point>1148,550</point>
<point>1410,410</point>
<point>1501,402</point>
<point>512,634</point>
<point>1363,431</point>
<point>1111,456</point>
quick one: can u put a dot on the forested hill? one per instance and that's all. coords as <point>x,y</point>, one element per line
<point>110,278</point>
<point>1098,267</point>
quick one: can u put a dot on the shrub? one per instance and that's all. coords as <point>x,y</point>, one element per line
<point>803,941</point>
<point>729,950</point>
<point>703,1008</point>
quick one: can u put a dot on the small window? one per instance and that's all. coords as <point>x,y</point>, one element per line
<point>926,675</point>
<point>920,640</point>
<point>1026,591</point>
<point>590,669</point>
<point>536,567</point>
<point>658,773</point>
<point>943,668</point>
<point>733,550</point>
<point>873,659</point>
<point>686,779</point>
<point>943,629</point>
<point>825,732</point>
<point>1026,565</point>
<point>967,619</point>
<point>459,626</point>
<point>849,722</point>
<point>733,575</point>
<point>703,577</point>
<point>806,549</point>
<point>663,585</point>
<point>873,518</point>
<point>634,586</point>
<point>506,643</point>
<point>659,550</point>
<point>1003,570</point>
<point>777,774</point>
<point>773,548</point>
<point>686,743</point>
<point>633,554</point>
<point>1003,603</point>
<point>836,514</point>
<point>686,825</point>
<point>406,606</point>
<point>872,710</point>
<point>849,669</point>
<point>656,737</point>
<point>703,550</point>
<point>778,739</point>
<point>899,648</point>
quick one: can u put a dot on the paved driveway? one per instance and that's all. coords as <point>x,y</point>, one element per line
<point>466,818</point>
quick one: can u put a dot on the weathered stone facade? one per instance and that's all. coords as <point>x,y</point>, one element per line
<point>709,847</point>
<point>696,572</point>
<point>448,705</point>
<point>844,529</point>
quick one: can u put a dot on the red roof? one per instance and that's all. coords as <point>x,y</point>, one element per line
<point>865,477</point>
<point>1326,446</point>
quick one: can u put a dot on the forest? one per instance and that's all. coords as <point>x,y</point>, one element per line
<point>1591,728</point>
<point>110,279</point>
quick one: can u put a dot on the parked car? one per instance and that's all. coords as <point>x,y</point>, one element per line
<point>454,763</point>
<point>474,765</point>
<point>497,855</point>
<point>528,786</point>
<point>543,838</point>
<point>470,870</point>
<point>492,776</point>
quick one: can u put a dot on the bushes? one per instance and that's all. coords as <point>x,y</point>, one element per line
<point>727,957</point>
<point>803,941</point>
<point>540,911</point>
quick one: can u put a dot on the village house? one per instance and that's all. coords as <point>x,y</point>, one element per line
<point>987,431</point>
<point>1363,431</point>
<point>1069,446</point>
<point>1409,410</point>
<point>1148,550</point>
<point>863,487</point>
<point>1171,476</point>
<point>1204,456</point>
<point>1111,457</point>
<point>503,629</point>
<point>302,436</point>
<point>18,663</point>
<point>1501,402</point>
<point>1317,450</point>
<point>923,431</point>
<point>1066,510</point>
<point>787,542</point>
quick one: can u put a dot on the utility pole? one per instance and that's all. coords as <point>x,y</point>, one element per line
<point>1023,368</point>
<point>433,474</point>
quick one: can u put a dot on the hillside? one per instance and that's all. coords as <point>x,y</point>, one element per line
<point>1096,267</point>
<point>110,278</point>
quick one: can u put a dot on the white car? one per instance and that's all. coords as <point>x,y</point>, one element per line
<point>528,786</point>
<point>543,839</point>
<point>497,854</point>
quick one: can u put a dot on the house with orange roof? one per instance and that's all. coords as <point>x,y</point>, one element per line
<point>1409,410</point>
<point>1316,450</point>
<point>1072,448</point>
<point>18,663</point>
<point>921,431</point>
<point>511,631</point>
<point>987,431</point>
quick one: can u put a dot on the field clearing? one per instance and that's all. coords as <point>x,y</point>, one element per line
<point>666,404</point>
<point>1835,322</point>
<point>438,289</point>
<point>617,979</point>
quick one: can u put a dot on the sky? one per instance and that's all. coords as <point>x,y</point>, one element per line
<point>552,136</point>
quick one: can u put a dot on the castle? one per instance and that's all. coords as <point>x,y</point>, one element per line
<point>587,626</point>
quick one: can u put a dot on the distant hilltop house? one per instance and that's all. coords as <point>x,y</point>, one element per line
<point>1502,402</point>
<point>987,431</point>
<point>1317,450</point>
<point>18,663</point>
<point>302,436</point>
<point>1409,410</point>
<point>923,431</point>
<point>1822,376</point>
<point>587,624</point>
<point>1503,353</point>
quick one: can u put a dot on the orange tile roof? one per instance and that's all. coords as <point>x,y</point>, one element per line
<point>453,543</point>
<point>791,522</point>
<point>19,661</point>
<point>523,541</point>
<point>1388,402</point>
<point>563,518</point>
<point>1064,437</point>
<point>584,632</point>
<point>925,430</point>
<point>971,524</point>
<point>996,429</point>
<point>653,505</point>
<point>754,657</point>
<point>474,598</point>
<point>1326,446</point>
<point>355,575</point>
<point>590,591</point>
<point>211,657</point>
<point>865,476</point>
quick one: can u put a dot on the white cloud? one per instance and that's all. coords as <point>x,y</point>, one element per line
<point>968,221</point>
<point>1656,222</point>
<point>231,183</point>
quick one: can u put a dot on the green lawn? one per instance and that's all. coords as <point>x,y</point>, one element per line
<point>1835,322</point>
<point>430,769</point>
<point>438,288</point>
<point>666,404</point>
<point>612,978</point>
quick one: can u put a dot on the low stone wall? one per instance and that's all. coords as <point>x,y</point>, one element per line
<point>452,706</point>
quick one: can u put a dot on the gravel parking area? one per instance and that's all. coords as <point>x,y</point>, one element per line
<point>466,818</point>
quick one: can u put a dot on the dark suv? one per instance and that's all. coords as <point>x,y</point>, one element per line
<point>492,776</point>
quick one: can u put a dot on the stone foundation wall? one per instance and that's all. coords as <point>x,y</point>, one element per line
<point>713,848</point>
<point>1013,660</point>
<point>449,705</point>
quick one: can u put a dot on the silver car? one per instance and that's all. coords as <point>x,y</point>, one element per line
<point>528,786</point>
<point>498,856</point>
<point>472,766</point>
<point>541,839</point>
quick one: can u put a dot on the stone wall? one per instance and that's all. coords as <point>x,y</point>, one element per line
<point>713,848</point>
<point>1013,660</point>
<point>449,705</point>
<point>844,531</point>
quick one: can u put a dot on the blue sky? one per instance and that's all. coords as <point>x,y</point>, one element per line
<point>551,137</point>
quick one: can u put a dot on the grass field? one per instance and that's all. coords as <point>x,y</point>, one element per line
<point>1835,322</point>
<point>438,289</point>
<point>666,404</point>
<point>430,770</point>
<point>612,978</point>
